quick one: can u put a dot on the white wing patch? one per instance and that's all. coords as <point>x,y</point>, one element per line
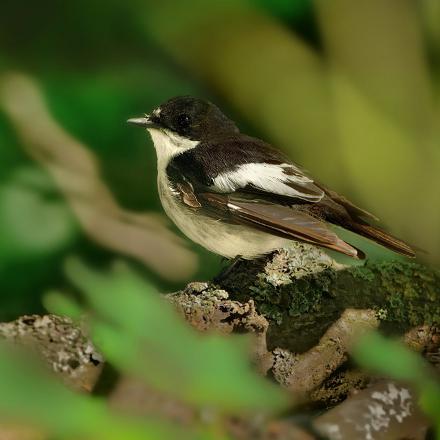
<point>271,178</point>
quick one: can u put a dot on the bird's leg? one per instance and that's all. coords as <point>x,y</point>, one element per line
<point>228,269</point>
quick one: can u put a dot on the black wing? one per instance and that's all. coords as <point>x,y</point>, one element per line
<point>244,163</point>
<point>283,221</point>
<point>246,181</point>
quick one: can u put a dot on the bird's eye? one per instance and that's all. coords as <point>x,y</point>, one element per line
<point>183,120</point>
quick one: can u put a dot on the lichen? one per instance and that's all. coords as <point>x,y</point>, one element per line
<point>302,302</point>
<point>63,344</point>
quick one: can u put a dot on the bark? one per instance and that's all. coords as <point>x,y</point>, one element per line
<point>304,311</point>
<point>303,292</point>
<point>62,344</point>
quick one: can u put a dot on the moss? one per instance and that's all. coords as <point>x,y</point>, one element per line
<point>302,303</point>
<point>306,295</point>
<point>362,273</point>
<point>411,292</point>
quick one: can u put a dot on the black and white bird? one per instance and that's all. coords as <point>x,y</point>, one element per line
<point>236,195</point>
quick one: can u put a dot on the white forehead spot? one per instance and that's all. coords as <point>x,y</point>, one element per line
<point>157,112</point>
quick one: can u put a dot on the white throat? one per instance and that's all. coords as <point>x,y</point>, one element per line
<point>168,145</point>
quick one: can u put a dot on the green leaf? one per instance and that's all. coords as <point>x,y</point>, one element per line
<point>142,335</point>
<point>286,8</point>
<point>60,304</point>
<point>396,361</point>
<point>31,395</point>
<point>33,223</point>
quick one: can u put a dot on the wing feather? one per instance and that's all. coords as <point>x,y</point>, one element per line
<point>244,180</point>
<point>280,179</point>
<point>279,220</point>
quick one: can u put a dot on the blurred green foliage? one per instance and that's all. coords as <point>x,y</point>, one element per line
<point>26,200</point>
<point>33,397</point>
<point>142,337</point>
<point>287,10</point>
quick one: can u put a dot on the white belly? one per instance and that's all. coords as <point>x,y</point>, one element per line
<point>219,237</point>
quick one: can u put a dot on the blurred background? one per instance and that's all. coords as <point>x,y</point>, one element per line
<point>350,90</point>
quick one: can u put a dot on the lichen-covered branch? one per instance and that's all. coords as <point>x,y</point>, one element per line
<point>301,301</point>
<point>304,312</point>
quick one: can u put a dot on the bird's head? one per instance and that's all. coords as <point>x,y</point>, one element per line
<point>182,122</point>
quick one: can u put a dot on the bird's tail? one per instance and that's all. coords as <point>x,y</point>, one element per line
<point>383,238</point>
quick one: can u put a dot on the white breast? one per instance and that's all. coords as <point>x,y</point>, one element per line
<point>213,234</point>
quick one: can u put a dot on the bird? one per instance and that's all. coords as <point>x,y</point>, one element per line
<point>239,196</point>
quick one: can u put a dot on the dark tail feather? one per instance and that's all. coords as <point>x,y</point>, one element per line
<point>347,249</point>
<point>383,238</point>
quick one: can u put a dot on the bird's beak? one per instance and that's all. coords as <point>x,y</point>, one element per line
<point>143,122</point>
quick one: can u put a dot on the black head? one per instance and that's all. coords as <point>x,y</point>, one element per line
<point>191,118</point>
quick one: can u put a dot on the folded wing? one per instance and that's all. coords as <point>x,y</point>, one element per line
<point>245,181</point>
<point>276,219</point>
